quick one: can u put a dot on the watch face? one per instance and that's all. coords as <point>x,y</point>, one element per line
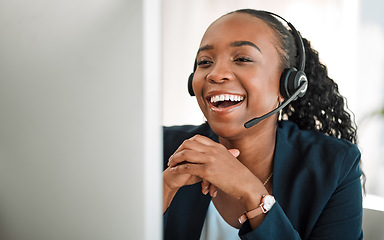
<point>268,202</point>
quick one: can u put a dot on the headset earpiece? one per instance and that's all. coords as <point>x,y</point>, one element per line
<point>290,81</point>
<point>190,79</point>
<point>284,80</point>
<point>299,79</point>
<point>190,88</point>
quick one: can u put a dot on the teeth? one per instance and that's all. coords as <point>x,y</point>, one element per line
<point>226,97</point>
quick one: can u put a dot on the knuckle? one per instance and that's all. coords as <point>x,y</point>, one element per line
<point>197,136</point>
<point>186,166</point>
<point>185,142</point>
<point>184,153</point>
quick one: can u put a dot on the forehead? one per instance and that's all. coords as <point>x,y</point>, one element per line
<point>238,27</point>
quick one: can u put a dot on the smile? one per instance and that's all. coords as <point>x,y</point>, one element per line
<point>224,101</point>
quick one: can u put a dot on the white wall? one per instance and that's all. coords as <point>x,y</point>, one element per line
<point>371,92</point>
<point>75,123</point>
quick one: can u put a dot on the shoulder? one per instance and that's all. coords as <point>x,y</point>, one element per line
<point>317,152</point>
<point>290,133</point>
<point>312,170</point>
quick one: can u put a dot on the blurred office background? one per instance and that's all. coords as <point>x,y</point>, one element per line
<point>349,35</point>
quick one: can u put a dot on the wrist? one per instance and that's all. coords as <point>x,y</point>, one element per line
<point>168,193</point>
<point>169,184</point>
<point>265,205</point>
<point>252,195</point>
<point>168,187</point>
<point>168,190</point>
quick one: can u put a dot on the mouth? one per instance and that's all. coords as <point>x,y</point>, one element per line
<point>225,101</point>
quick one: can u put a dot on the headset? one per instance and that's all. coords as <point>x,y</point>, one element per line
<point>293,82</point>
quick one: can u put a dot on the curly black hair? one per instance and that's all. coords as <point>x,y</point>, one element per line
<point>322,108</point>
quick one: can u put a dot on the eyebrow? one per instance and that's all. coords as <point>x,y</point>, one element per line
<point>244,43</point>
<point>232,44</point>
<point>205,47</point>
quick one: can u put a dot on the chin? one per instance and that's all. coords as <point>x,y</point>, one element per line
<point>227,130</point>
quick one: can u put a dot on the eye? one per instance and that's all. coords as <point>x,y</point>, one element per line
<point>243,59</point>
<point>204,63</point>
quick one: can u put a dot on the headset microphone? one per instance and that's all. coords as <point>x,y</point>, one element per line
<point>255,121</point>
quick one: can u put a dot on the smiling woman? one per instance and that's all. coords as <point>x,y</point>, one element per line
<point>297,178</point>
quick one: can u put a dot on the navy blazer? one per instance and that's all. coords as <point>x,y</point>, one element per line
<point>316,183</point>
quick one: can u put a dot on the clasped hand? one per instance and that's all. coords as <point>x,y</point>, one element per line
<point>201,159</point>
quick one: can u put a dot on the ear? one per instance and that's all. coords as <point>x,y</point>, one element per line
<point>280,98</point>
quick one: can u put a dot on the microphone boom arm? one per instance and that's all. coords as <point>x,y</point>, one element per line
<point>255,121</point>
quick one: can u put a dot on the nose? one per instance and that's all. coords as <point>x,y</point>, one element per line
<point>220,72</point>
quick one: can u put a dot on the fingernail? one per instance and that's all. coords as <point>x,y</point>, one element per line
<point>214,194</point>
<point>205,191</point>
<point>169,159</point>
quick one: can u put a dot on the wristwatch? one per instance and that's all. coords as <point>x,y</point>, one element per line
<point>267,201</point>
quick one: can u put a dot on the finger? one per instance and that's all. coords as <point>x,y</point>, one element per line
<point>186,155</point>
<point>213,190</point>
<point>197,143</point>
<point>189,144</point>
<point>188,168</point>
<point>204,140</point>
<point>234,152</point>
<point>205,185</point>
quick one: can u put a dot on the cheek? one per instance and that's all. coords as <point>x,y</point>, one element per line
<point>198,84</point>
<point>263,93</point>
<point>198,88</point>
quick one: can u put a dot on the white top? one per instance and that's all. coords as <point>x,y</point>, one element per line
<point>216,228</point>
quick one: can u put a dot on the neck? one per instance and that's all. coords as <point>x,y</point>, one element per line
<point>256,148</point>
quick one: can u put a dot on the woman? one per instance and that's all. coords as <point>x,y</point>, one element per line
<point>297,178</point>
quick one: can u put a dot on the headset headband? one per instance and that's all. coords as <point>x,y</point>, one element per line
<point>296,35</point>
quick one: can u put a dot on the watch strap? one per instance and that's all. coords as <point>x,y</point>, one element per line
<point>253,213</point>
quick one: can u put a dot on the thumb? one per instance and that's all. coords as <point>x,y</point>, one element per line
<point>234,152</point>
